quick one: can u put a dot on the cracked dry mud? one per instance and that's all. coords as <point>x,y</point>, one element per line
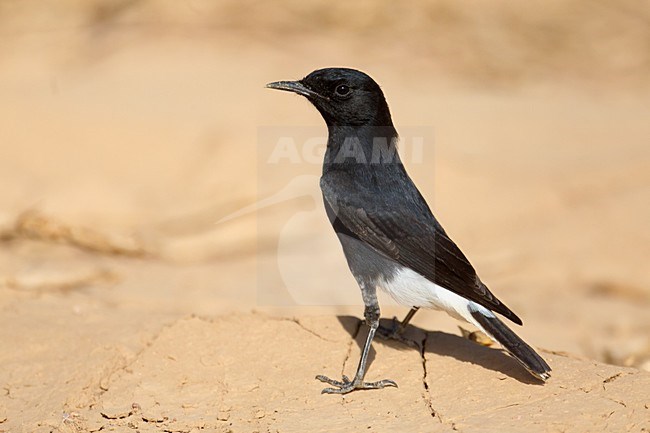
<point>130,128</point>
<point>205,374</point>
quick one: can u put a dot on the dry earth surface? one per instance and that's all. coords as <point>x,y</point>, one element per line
<point>158,272</point>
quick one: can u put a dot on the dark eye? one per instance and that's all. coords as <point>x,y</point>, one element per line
<point>342,90</point>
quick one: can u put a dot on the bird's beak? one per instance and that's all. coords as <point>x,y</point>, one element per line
<point>295,87</point>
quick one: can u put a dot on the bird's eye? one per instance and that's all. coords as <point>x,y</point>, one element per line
<point>342,90</point>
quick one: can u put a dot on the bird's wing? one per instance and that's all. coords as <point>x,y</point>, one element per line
<point>422,246</point>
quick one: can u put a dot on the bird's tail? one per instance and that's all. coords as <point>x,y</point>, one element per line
<point>517,347</point>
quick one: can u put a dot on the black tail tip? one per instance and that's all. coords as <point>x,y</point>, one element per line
<point>543,376</point>
<point>514,345</point>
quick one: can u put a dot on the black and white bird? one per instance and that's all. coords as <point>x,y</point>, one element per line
<point>390,237</point>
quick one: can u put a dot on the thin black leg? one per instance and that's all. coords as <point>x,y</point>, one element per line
<point>396,331</point>
<point>402,326</point>
<point>344,386</point>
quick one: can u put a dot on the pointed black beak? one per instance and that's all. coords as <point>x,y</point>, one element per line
<point>295,87</point>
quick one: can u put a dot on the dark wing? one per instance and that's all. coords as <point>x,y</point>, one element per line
<point>415,241</point>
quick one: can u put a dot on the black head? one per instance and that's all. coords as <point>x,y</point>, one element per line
<point>344,97</point>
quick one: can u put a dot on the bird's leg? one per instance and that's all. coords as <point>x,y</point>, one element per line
<point>346,385</point>
<point>397,330</point>
<point>402,326</point>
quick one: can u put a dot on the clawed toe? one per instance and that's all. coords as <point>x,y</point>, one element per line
<point>345,386</point>
<point>395,333</point>
<point>379,384</point>
<point>389,333</point>
<point>336,383</point>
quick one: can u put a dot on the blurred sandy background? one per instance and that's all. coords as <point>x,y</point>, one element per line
<point>129,129</point>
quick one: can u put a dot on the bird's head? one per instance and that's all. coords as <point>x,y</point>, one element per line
<point>344,97</point>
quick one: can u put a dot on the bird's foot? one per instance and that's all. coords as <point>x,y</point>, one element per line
<point>346,385</point>
<point>395,332</point>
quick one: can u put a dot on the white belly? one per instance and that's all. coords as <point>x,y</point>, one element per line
<point>411,289</point>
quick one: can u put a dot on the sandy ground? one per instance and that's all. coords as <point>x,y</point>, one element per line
<point>160,271</point>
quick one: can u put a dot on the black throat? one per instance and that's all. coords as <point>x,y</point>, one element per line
<point>361,148</point>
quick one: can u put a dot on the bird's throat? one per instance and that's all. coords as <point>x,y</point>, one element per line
<point>357,146</point>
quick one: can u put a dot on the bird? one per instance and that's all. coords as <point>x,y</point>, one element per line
<point>389,235</point>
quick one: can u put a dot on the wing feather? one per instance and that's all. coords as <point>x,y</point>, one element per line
<point>415,241</point>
